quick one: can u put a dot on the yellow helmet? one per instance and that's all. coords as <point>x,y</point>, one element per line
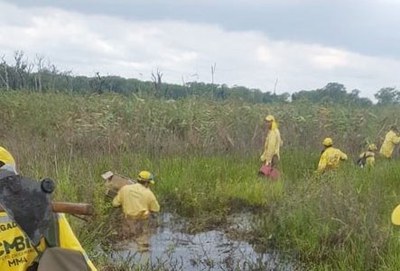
<point>6,157</point>
<point>396,215</point>
<point>269,118</point>
<point>372,147</point>
<point>327,142</point>
<point>145,176</point>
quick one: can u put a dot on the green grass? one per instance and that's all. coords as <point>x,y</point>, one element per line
<point>205,158</point>
<point>337,221</point>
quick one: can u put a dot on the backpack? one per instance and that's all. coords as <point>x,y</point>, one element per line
<point>362,161</point>
<point>269,172</point>
<point>61,259</point>
<point>37,221</point>
<point>55,258</point>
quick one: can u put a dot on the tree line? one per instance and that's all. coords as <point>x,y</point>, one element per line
<point>42,76</point>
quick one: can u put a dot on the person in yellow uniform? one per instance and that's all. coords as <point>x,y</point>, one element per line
<point>392,138</point>
<point>367,158</point>
<point>16,250</point>
<point>330,157</point>
<point>138,202</point>
<point>272,144</point>
<point>18,254</point>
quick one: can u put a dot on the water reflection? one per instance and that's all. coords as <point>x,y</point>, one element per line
<point>172,249</point>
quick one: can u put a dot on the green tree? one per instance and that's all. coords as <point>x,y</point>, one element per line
<point>388,95</point>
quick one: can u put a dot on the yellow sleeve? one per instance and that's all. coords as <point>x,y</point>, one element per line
<point>395,139</point>
<point>343,156</point>
<point>68,239</point>
<point>271,146</point>
<point>371,161</point>
<point>151,201</point>
<point>322,163</point>
<point>117,201</point>
<point>154,206</point>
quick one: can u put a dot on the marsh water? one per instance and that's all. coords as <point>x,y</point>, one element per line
<point>172,248</point>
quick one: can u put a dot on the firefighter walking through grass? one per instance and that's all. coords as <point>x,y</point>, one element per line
<point>391,140</point>
<point>330,157</point>
<point>272,144</point>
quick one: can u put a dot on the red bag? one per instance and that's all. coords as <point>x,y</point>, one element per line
<point>269,172</point>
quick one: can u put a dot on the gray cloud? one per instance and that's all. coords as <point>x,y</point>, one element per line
<point>89,42</point>
<point>365,26</point>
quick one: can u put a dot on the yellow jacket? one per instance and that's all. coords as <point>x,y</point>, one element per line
<point>369,158</point>
<point>272,145</point>
<point>137,201</point>
<point>7,159</point>
<point>330,159</point>
<point>16,251</point>
<point>391,139</point>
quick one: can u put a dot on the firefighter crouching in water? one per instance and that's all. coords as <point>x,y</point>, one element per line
<point>138,202</point>
<point>330,156</point>
<point>391,139</point>
<point>17,252</point>
<point>272,144</point>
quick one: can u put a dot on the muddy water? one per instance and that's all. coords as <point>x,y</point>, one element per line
<point>173,249</point>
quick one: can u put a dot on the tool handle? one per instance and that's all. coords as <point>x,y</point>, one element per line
<point>69,208</point>
<point>72,208</point>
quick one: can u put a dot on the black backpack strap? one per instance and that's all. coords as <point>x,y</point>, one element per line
<point>52,235</point>
<point>362,160</point>
<point>52,239</point>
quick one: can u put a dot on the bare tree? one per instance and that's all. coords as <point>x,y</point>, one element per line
<point>276,83</point>
<point>4,77</point>
<point>39,61</point>
<point>20,69</point>
<point>213,67</point>
<point>53,73</point>
<point>67,75</point>
<point>97,83</point>
<point>157,81</point>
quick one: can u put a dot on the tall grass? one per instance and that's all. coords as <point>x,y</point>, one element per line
<point>341,220</point>
<point>205,158</point>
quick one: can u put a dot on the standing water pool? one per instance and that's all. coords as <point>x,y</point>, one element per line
<point>173,249</point>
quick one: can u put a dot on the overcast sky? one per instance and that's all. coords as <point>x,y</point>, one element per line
<point>304,44</point>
